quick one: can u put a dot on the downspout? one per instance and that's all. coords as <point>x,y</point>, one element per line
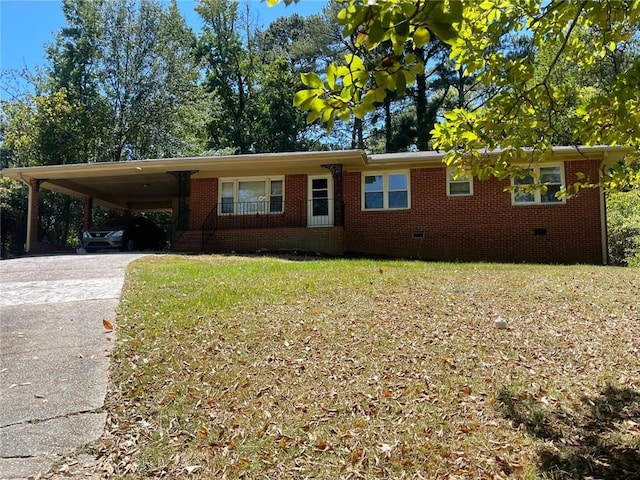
<point>604,234</point>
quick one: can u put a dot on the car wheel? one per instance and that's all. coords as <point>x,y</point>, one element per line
<point>128,246</point>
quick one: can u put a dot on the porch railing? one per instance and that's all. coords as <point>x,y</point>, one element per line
<point>177,231</point>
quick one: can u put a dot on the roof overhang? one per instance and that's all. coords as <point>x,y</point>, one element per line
<point>606,154</point>
<point>145,185</point>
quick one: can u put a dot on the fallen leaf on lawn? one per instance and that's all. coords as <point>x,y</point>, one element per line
<point>385,448</point>
<point>321,446</point>
<point>107,325</point>
<point>357,455</point>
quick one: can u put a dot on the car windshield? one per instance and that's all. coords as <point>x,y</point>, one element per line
<point>113,223</point>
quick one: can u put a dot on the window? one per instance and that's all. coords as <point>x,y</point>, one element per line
<point>245,196</point>
<point>460,186</point>
<point>528,190</point>
<point>319,197</point>
<point>385,191</point>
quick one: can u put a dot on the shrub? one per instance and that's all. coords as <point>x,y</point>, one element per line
<point>623,217</point>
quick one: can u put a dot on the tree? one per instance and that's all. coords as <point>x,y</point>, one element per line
<point>147,74</point>
<point>623,218</point>
<point>293,39</point>
<point>75,135</point>
<point>230,73</point>
<point>121,83</point>
<point>250,81</point>
<point>516,115</point>
<point>278,125</point>
<point>185,127</point>
<point>13,215</point>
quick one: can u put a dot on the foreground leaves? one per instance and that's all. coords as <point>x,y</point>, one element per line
<point>518,118</point>
<point>269,368</point>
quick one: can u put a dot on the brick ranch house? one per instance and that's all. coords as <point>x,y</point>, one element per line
<point>338,202</point>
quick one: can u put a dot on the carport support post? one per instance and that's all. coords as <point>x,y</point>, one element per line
<point>33,214</point>
<point>88,213</point>
<point>184,182</point>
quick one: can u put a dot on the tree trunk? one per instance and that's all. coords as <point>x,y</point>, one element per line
<point>357,140</point>
<point>461,89</point>
<point>423,135</point>
<point>387,124</point>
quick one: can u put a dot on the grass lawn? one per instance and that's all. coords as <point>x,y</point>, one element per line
<point>268,368</point>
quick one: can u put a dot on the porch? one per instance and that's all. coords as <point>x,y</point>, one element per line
<point>303,225</point>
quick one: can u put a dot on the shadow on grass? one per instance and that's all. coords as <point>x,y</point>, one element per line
<point>599,439</point>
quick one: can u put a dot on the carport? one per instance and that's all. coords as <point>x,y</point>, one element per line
<point>135,186</point>
<point>153,185</point>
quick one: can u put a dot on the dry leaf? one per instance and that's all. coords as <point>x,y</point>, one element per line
<point>385,448</point>
<point>379,369</point>
<point>321,446</point>
<point>357,455</point>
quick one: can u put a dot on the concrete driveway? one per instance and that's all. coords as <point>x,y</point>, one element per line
<point>54,355</point>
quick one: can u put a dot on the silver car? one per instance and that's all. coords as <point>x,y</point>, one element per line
<point>125,234</point>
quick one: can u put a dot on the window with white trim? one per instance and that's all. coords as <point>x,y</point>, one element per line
<point>385,191</point>
<point>242,196</point>
<point>458,186</point>
<point>539,187</point>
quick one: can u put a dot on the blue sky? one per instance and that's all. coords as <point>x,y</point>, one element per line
<point>27,25</point>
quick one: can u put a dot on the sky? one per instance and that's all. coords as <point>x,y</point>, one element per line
<point>26,26</point>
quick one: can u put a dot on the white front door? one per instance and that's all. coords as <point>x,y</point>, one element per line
<point>320,213</point>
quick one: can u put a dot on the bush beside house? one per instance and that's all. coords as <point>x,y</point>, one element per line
<point>623,215</point>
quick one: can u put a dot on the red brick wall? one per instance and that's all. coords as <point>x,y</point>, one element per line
<point>203,198</point>
<point>295,197</point>
<point>295,187</point>
<point>484,226</point>
<point>327,240</point>
<point>190,242</point>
